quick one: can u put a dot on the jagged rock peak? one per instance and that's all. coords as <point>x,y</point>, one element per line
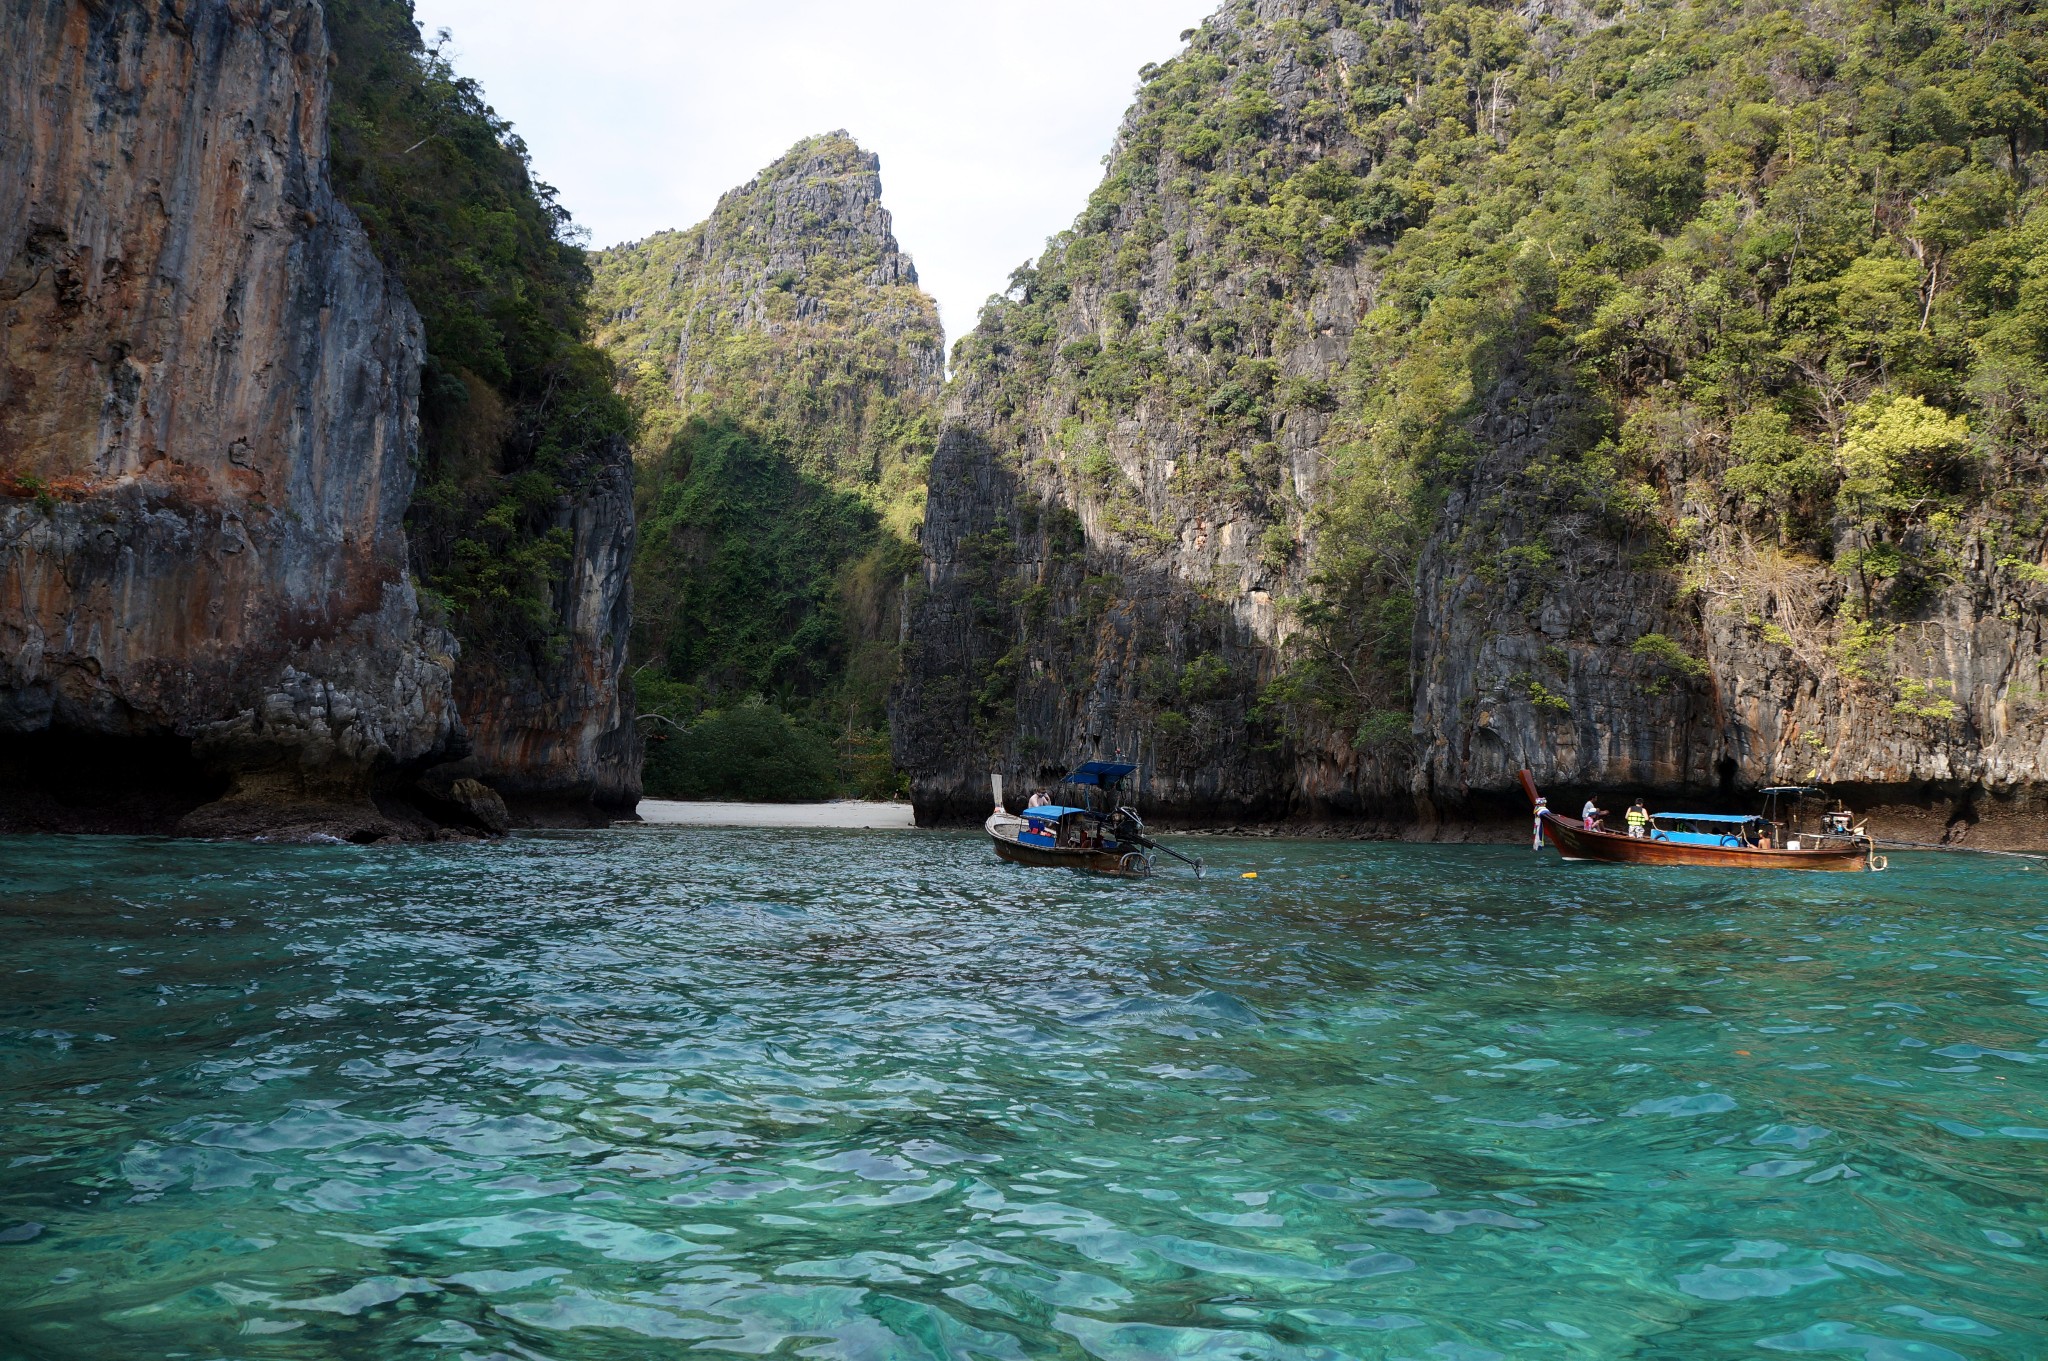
<point>787,369</point>
<point>804,253</point>
<point>822,197</point>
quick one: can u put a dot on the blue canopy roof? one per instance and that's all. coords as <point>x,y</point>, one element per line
<point>1099,772</point>
<point>1708,817</point>
<point>1051,811</point>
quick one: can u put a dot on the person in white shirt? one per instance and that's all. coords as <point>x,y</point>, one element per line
<point>1591,814</point>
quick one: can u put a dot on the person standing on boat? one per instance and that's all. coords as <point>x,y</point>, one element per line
<point>1638,820</point>
<point>1542,807</point>
<point>1590,815</point>
<point>1037,799</point>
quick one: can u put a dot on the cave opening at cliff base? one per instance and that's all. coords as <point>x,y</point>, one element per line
<point>67,780</point>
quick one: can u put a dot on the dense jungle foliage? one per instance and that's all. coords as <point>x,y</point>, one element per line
<point>514,404</point>
<point>784,369</point>
<point>752,594</point>
<point>1767,278</point>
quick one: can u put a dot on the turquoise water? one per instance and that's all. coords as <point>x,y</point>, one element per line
<point>655,1092</point>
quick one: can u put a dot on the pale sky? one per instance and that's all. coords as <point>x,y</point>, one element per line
<point>991,116</point>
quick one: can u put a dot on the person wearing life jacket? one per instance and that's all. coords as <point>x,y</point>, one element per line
<point>1638,820</point>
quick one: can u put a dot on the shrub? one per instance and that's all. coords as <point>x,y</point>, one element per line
<point>1668,654</point>
<point>752,752</point>
<point>1900,452</point>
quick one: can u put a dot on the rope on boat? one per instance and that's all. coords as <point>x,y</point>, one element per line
<point>1891,845</point>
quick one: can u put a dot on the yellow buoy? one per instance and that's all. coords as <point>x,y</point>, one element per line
<point>1253,875</point>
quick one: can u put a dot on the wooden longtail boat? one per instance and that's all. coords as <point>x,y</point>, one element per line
<point>1721,841</point>
<point>1079,837</point>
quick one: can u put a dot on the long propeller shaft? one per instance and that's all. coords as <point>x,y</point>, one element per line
<point>1149,844</point>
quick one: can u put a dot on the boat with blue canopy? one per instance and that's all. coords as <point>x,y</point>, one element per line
<point>1095,833</point>
<point>1773,839</point>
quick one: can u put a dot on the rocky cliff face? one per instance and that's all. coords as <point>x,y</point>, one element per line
<point>522,525</point>
<point>1430,392</point>
<point>1124,491</point>
<point>785,367</point>
<point>554,732</point>
<point>207,409</point>
<point>1935,721</point>
<point>211,421</point>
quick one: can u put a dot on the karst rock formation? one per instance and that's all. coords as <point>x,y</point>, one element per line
<point>1648,397</point>
<point>209,425</point>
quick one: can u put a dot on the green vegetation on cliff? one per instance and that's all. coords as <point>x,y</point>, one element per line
<point>513,401</point>
<point>784,367</point>
<point>1781,264</point>
<point>1765,281</point>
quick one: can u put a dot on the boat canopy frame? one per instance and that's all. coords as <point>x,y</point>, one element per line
<point>1737,818</point>
<point>1053,812</point>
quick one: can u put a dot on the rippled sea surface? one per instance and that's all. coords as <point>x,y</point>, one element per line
<point>650,1092</point>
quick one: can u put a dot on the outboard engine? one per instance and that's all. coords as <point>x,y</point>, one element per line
<point>1128,825</point>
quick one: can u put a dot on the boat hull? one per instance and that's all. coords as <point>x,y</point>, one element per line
<point>1576,842</point>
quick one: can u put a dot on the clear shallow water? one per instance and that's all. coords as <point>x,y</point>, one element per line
<point>873,1095</point>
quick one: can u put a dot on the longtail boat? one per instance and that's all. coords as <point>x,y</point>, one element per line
<point>1719,840</point>
<point>1104,840</point>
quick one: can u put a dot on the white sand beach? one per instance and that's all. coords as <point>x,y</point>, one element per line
<point>845,813</point>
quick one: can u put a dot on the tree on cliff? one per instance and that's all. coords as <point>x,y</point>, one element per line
<point>512,395</point>
<point>523,436</point>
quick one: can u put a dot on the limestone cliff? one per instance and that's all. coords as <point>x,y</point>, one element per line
<point>791,303</point>
<point>1124,490</point>
<point>222,477</point>
<point>522,526</point>
<point>553,731</point>
<point>207,410</point>
<point>786,368</point>
<point>1647,397</point>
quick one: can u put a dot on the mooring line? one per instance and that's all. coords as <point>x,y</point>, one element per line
<point>1967,850</point>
